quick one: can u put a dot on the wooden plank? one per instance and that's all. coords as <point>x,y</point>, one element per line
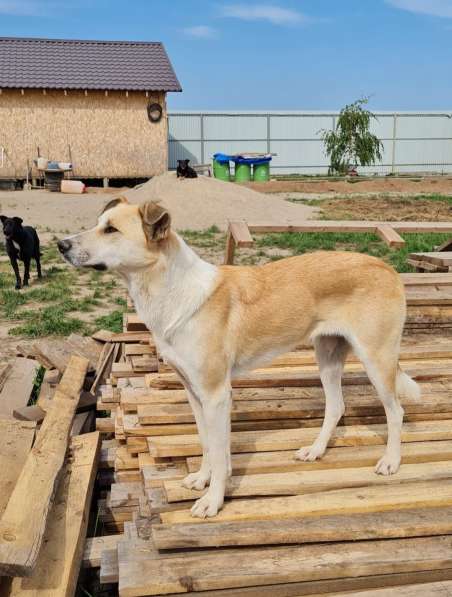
<point>334,458</point>
<point>304,482</point>
<point>17,388</point>
<point>392,524</point>
<point>16,439</point>
<point>240,232</point>
<point>387,233</point>
<point>29,413</point>
<point>94,546</point>
<point>291,378</point>
<point>244,568</point>
<point>287,439</point>
<point>24,521</point>
<point>433,589</point>
<point>430,494</point>
<point>57,567</point>
<point>109,572</point>
<point>427,280</point>
<point>4,372</point>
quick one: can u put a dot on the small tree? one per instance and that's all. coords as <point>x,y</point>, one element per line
<point>352,144</point>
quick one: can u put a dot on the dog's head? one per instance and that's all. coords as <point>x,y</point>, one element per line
<point>183,164</point>
<point>126,237</point>
<point>11,226</point>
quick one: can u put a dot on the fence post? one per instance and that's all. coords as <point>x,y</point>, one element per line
<point>394,140</point>
<point>202,137</point>
<point>268,133</point>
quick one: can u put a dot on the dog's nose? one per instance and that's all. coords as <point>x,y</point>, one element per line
<point>64,246</point>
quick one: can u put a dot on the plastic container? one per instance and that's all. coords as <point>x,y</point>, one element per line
<point>242,172</point>
<point>221,170</point>
<point>42,163</point>
<point>72,186</point>
<point>261,172</point>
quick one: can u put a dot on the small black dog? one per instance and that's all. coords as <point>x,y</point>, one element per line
<point>22,242</point>
<point>184,170</point>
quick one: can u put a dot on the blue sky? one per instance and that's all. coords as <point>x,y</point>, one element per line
<point>303,55</point>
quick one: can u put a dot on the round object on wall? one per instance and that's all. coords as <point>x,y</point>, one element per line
<point>155,112</point>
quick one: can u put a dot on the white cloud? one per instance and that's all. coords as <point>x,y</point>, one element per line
<point>436,8</point>
<point>277,15</point>
<point>201,32</point>
<point>23,8</point>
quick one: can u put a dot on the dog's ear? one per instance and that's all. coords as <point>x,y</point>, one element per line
<point>156,221</point>
<point>180,161</point>
<point>3,219</point>
<point>114,203</point>
<point>18,220</point>
<point>186,162</point>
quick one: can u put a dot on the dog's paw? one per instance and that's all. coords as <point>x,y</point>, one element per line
<point>309,453</point>
<point>18,287</point>
<point>196,480</point>
<point>207,506</point>
<point>388,465</point>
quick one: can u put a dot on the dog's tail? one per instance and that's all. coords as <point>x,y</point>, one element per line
<point>407,387</point>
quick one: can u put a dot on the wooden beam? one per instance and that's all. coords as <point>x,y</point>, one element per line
<point>24,521</point>
<point>390,236</point>
<point>58,564</point>
<point>94,547</point>
<point>291,439</point>
<point>356,527</point>
<point>304,482</point>
<point>339,501</point>
<point>253,567</point>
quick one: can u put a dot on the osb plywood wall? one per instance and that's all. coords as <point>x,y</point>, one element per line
<point>104,136</point>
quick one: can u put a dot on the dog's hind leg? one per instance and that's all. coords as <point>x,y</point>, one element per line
<point>38,257</point>
<point>26,270</point>
<point>382,368</point>
<point>331,352</point>
<point>216,405</point>
<point>201,478</point>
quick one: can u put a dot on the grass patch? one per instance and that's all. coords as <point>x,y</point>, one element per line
<point>209,238</point>
<point>111,322</point>
<point>51,321</point>
<point>298,243</point>
<point>37,383</point>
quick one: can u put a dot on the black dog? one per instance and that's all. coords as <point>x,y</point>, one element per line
<point>22,242</point>
<point>184,170</point>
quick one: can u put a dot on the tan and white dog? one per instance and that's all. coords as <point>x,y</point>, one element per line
<point>210,323</point>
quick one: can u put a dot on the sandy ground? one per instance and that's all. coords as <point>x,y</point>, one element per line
<point>194,204</point>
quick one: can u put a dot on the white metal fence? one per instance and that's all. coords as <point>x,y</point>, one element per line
<point>413,142</point>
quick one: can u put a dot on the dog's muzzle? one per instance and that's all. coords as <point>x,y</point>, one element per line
<point>64,246</point>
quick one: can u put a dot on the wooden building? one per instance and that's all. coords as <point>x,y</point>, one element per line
<point>100,105</point>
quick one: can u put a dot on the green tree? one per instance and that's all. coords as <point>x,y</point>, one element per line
<point>352,144</point>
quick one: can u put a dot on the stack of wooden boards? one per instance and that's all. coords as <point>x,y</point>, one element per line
<point>44,495</point>
<point>288,528</point>
<point>48,461</point>
<point>431,261</point>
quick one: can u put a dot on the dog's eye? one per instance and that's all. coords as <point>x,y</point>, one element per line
<point>110,230</point>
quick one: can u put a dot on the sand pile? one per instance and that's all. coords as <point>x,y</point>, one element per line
<point>202,202</point>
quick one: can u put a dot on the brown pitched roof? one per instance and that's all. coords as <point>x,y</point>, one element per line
<point>85,64</point>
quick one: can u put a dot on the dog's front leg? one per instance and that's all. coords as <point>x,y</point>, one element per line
<point>201,478</point>
<point>15,267</point>
<point>217,416</point>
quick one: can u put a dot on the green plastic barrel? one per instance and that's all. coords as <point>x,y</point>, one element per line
<point>221,170</point>
<point>261,172</point>
<point>242,172</point>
